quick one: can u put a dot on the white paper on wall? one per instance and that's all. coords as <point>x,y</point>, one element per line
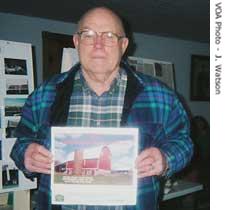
<point>69,58</point>
<point>162,70</point>
<point>16,83</point>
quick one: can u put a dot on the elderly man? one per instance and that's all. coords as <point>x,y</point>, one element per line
<point>116,96</point>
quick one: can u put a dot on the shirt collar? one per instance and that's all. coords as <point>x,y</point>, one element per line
<point>113,88</point>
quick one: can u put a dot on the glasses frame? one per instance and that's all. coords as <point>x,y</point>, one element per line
<point>100,34</point>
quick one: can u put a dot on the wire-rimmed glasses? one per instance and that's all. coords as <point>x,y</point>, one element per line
<point>108,38</point>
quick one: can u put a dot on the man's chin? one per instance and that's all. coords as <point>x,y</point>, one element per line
<point>99,65</point>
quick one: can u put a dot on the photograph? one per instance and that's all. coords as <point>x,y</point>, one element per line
<point>16,86</point>
<point>106,159</point>
<point>10,127</point>
<point>10,178</point>
<point>15,66</point>
<point>13,106</point>
<point>93,157</point>
<point>200,78</point>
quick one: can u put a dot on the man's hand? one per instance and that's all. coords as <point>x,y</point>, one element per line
<point>38,159</point>
<point>151,162</point>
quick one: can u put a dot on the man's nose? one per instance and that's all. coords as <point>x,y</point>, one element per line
<point>98,42</point>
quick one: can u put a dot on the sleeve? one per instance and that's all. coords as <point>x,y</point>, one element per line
<point>178,147</point>
<point>30,128</point>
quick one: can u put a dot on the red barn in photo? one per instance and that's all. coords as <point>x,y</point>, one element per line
<point>89,162</point>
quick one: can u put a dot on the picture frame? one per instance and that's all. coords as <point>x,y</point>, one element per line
<point>200,78</point>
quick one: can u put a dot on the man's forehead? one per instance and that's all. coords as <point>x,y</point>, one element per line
<point>101,18</point>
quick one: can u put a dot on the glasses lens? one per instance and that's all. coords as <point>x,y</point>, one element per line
<point>109,38</point>
<point>88,37</point>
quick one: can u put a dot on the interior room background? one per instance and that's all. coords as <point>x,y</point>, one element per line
<point>29,30</point>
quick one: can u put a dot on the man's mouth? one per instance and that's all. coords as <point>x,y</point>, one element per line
<point>98,57</point>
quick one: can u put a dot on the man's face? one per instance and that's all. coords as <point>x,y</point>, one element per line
<point>99,58</point>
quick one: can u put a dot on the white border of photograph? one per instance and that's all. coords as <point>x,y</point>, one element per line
<point>91,193</point>
<point>19,51</point>
<point>7,145</point>
<point>24,183</point>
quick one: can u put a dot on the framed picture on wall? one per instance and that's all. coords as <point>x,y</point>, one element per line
<point>200,78</point>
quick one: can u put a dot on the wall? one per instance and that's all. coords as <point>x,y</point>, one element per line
<point>28,29</point>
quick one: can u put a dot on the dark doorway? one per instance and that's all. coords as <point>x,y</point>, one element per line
<point>53,45</point>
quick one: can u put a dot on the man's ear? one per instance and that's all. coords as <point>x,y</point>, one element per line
<point>75,40</point>
<point>125,42</point>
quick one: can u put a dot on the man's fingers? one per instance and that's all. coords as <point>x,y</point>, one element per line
<point>143,155</point>
<point>36,166</point>
<point>148,170</point>
<point>40,165</point>
<point>144,169</point>
<point>37,159</point>
<point>144,163</point>
<point>146,174</point>
<point>39,170</point>
<point>42,150</point>
<point>37,148</point>
<point>150,162</point>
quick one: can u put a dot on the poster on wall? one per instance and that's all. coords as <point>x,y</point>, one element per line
<point>162,70</point>
<point>16,83</point>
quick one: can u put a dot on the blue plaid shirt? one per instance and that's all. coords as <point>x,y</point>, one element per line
<point>148,105</point>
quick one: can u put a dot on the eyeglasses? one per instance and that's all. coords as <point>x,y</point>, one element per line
<point>88,37</point>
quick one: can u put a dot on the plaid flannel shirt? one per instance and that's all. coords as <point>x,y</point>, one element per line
<point>148,105</point>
